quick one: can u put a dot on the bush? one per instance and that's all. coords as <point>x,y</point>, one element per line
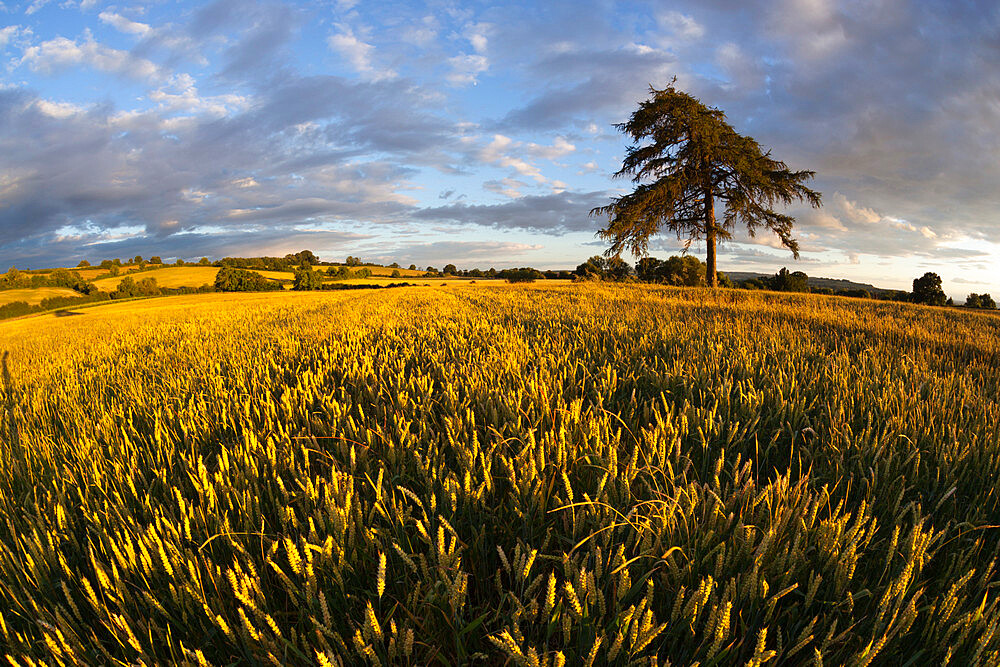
<point>241,280</point>
<point>307,279</point>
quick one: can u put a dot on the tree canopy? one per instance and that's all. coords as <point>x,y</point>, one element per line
<point>683,158</point>
<point>927,290</point>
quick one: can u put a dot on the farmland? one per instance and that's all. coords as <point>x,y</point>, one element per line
<point>539,475</point>
<point>34,295</point>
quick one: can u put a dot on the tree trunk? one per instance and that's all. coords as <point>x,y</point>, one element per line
<point>711,274</point>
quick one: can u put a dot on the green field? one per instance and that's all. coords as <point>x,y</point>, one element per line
<point>536,475</point>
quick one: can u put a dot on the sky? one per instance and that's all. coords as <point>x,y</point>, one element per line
<point>481,134</point>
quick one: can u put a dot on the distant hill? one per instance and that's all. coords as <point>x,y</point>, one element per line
<point>832,283</point>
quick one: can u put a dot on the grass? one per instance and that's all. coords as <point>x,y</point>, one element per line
<point>530,475</point>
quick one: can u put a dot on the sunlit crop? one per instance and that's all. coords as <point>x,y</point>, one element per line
<point>532,476</point>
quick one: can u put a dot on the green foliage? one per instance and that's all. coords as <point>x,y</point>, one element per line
<point>204,262</point>
<point>155,259</point>
<point>524,274</point>
<point>684,157</point>
<point>450,269</point>
<point>927,290</point>
<point>395,274</point>
<point>128,287</point>
<point>353,261</point>
<point>83,264</point>
<point>789,281</point>
<point>682,271</point>
<point>307,279</point>
<point>241,280</point>
<point>984,301</point>
<point>15,279</point>
<point>604,268</point>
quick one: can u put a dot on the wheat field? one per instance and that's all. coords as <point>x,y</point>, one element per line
<point>528,476</point>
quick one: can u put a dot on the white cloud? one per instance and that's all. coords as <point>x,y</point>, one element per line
<point>58,109</point>
<point>61,53</point>
<point>421,34</point>
<point>466,68</point>
<point>35,6</point>
<point>559,148</point>
<point>8,33</point>
<point>478,36</point>
<point>181,94</point>
<point>359,53</point>
<point>497,152</point>
<point>680,25</point>
<point>122,24</point>
<point>854,212</point>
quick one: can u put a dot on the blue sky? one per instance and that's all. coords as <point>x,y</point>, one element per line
<point>482,134</point>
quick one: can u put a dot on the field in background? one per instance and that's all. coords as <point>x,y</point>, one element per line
<point>182,276</point>
<point>442,476</point>
<point>34,295</point>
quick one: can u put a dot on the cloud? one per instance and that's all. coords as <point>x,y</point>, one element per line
<point>60,54</point>
<point>124,25</point>
<point>466,68</point>
<point>680,25</point>
<point>464,254</point>
<point>357,52</point>
<point>557,213</point>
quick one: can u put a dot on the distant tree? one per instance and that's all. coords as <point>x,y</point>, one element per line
<point>179,262</point>
<point>83,264</point>
<point>204,261</point>
<point>475,273</point>
<point>927,290</point>
<point>15,279</point>
<point>115,270</point>
<point>450,269</point>
<point>395,274</point>
<point>307,279</point>
<point>147,287</point>
<point>107,264</point>
<point>230,279</point>
<point>413,267</point>
<point>126,288</point>
<point>789,281</point>
<point>431,269</point>
<point>984,301</point>
<point>617,269</point>
<point>521,275</point>
<point>685,156</point>
<point>352,261</point>
<point>137,259</point>
<point>155,259</point>
<point>593,269</point>
<point>302,258</point>
<point>724,280</point>
<point>363,272</point>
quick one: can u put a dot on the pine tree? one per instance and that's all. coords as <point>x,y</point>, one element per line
<point>684,158</point>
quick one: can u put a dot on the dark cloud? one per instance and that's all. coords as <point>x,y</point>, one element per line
<point>552,214</point>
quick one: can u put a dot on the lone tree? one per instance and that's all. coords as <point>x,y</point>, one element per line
<point>927,290</point>
<point>685,156</point>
